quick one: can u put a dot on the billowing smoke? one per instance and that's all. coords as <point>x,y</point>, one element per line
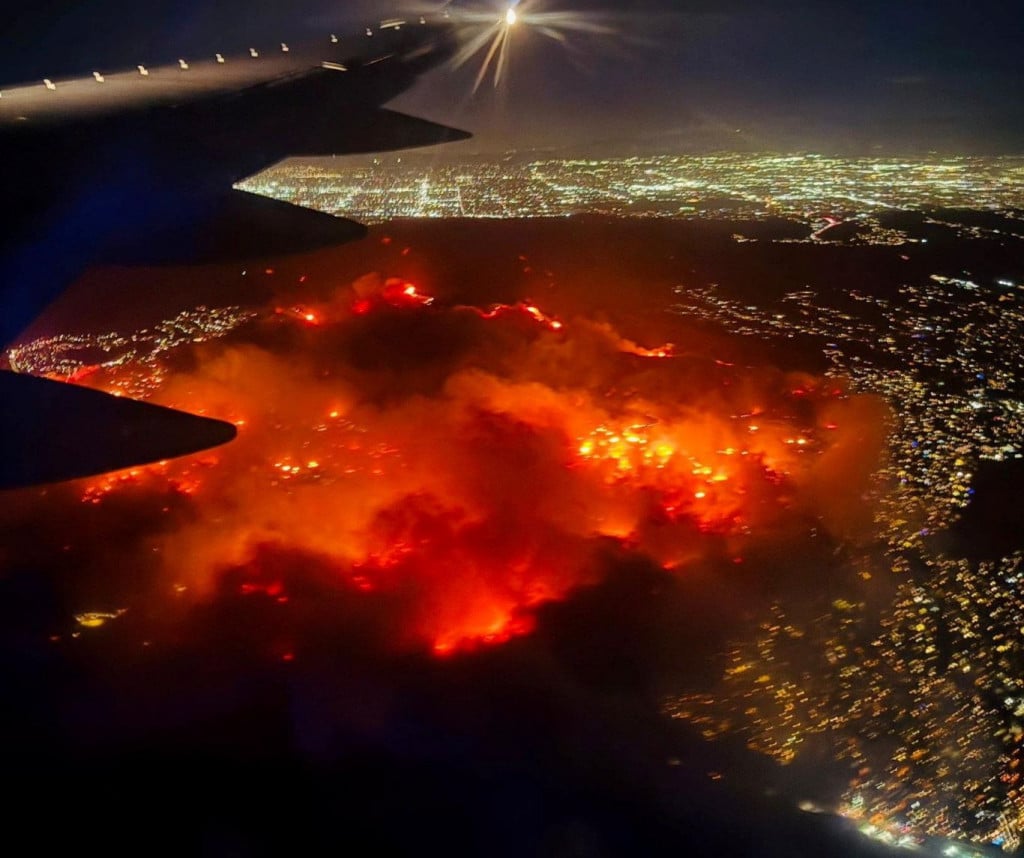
<point>446,470</point>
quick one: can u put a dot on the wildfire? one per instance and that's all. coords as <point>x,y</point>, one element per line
<point>462,487</point>
<point>302,314</point>
<point>531,311</point>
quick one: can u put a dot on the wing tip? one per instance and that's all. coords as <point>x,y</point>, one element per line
<point>52,432</point>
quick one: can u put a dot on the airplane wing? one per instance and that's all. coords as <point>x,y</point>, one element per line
<point>116,434</point>
<point>230,227</point>
<point>137,167</point>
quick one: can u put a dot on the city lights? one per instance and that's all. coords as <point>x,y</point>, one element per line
<point>823,193</point>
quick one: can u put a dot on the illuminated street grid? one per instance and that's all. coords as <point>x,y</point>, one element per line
<point>72,356</point>
<point>808,188</point>
<point>926,707</point>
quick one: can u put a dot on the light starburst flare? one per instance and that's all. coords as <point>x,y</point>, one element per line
<point>487,32</point>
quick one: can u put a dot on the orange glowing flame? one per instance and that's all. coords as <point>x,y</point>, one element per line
<point>473,500</point>
<point>399,293</point>
<point>533,312</point>
<point>665,351</point>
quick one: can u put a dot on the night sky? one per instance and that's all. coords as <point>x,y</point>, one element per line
<point>678,75</point>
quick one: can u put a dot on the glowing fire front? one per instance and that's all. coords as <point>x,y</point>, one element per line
<point>464,466</point>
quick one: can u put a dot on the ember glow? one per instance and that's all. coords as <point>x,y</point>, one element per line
<point>453,468</point>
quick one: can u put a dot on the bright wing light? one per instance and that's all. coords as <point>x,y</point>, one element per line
<point>481,32</point>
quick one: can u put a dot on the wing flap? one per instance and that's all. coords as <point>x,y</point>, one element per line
<point>380,130</point>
